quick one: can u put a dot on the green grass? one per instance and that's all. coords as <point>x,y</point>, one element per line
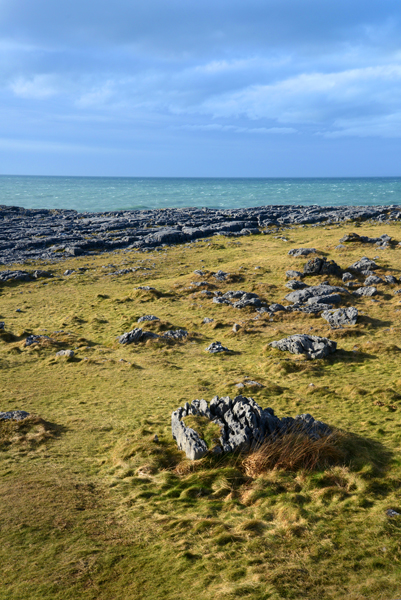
<point>94,508</point>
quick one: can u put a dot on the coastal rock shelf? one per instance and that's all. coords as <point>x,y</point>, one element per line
<point>28,234</point>
<point>243,425</point>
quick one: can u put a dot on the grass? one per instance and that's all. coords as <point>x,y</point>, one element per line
<point>94,508</point>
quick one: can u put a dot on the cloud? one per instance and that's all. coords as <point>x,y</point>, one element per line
<point>236,129</point>
<point>38,87</point>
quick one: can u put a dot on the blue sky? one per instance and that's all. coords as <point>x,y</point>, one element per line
<point>228,88</point>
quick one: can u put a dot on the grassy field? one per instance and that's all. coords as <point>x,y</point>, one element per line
<point>93,508</point>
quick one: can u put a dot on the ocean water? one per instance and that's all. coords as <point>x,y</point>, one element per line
<point>94,194</point>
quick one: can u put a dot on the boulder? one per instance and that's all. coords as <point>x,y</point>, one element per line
<point>295,284</point>
<point>291,274</point>
<point>148,318</point>
<point>347,277</point>
<point>340,316</point>
<point>363,265</point>
<point>131,336</point>
<point>372,280</point>
<point>301,296</point>
<point>296,252</point>
<point>13,415</point>
<point>66,353</point>
<point>243,425</point>
<point>35,339</point>
<point>311,345</point>
<point>390,279</point>
<point>321,266</point>
<point>176,334</point>
<point>365,291</point>
<point>216,347</point>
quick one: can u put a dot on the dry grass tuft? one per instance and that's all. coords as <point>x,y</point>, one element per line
<point>293,452</point>
<point>28,433</point>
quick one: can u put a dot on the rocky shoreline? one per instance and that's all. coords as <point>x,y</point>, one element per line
<point>40,234</point>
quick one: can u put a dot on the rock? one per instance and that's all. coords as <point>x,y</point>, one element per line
<point>40,273</point>
<point>363,265</point>
<point>301,296</point>
<point>321,266</point>
<point>216,347</point>
<point>331,299</point>
<point>13,415</point>
<point>296,252</point>
<point>148,318</point>
<point>365,291</point>
<point>208,320</point>
<point>350,237</point>
<point>236,327</point>
<point>147,288</point>
<point>340,316</point>
<point>372,280</point>
<point>347,276</point>
<point>68,272</point>
<point>295,284</point>
<point>238,299</point>
<point>311,345</point>
<point>199,272</point>
<point>187,439</point>
<point>6,276</point>
<point>176,334</point>
<point>291,274</point>
<point>66,353</point>
<point>221,275</point>
<point>35,339</point>
<point>2,324</point>
<point>276,307</point>
<point>243,424</point>
<point>389,512</point>
<point>131,336</point>
<point>363,239</point>
<point>390,279</point>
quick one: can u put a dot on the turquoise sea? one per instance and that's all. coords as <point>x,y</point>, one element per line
<point>104,194</point>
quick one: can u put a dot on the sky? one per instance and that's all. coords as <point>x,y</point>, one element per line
<point>207,88</point>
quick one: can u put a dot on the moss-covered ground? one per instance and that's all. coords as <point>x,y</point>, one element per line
<point>93,508</point>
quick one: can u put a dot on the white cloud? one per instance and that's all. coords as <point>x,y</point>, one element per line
<point>35,87</point>
<point>236,129</point>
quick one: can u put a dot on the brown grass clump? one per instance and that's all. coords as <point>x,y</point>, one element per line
<point>28,433</point>
<point>293,452</point>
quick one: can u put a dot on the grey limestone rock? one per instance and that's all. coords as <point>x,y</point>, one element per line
<point>35,339</point>
<point>372,280</point>
<point>6,276</point>
<point>147,288</point>
<point>301,251</point>
<point>365,291</point>
<point>321,266</point>
<point>295,284</point>
<point>131,336</point>
<point>148,318</point>
<point>363,239</point>
<point>221,275</point>
<point>301,296</point>
<point>176,334</point>
<point>207,320</point>
<point>390,279</point>
<point>276,307</point>
<point>199,272</point>
<point>243,425</point>
<point>331,299</point>
<point>68,272</point>
<point>347,276</point>
<point>66,353</point>
<point>363,265</point>
<point>13,415</point>
<point>291,274</point>
<point>341,316</point>
<point>311,345</point>
<point>2,325</point>
<point>216,347</point>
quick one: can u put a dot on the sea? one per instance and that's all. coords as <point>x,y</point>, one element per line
<point>103,194</point>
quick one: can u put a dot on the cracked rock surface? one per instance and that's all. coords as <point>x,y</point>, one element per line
<point>311,345</point>
<point>341,316</point>
<point>243,425</point>
<point>41,234</point>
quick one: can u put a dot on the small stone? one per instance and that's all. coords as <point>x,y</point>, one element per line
<point>311,345</point>
<point>389,512</point>
<point>148,318</point>
<point>390,279</point>
<point>176,334</point>
<point>131,336</point>
<point>66,353</point>
<point>301,251</point>
<point>2,324</point>
<point>208,320</point>
<point>236,327</point>
<point>156,439</point>
<point>68,272</point>
<point>295,284</point>
<point>18,310</point>
<point>372,280</point>
<point>347,276</point>
<point>13,415</point>
<point>216,347</point>
<point>291,274</point>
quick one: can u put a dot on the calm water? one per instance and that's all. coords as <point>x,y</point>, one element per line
<point>120,193</point>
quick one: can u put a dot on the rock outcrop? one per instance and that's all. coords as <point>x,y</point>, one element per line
<point>311,345</point>
<point>13,415</point>
<point>340,316</point>
<point>322,266</point>
<point>243,424</point>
